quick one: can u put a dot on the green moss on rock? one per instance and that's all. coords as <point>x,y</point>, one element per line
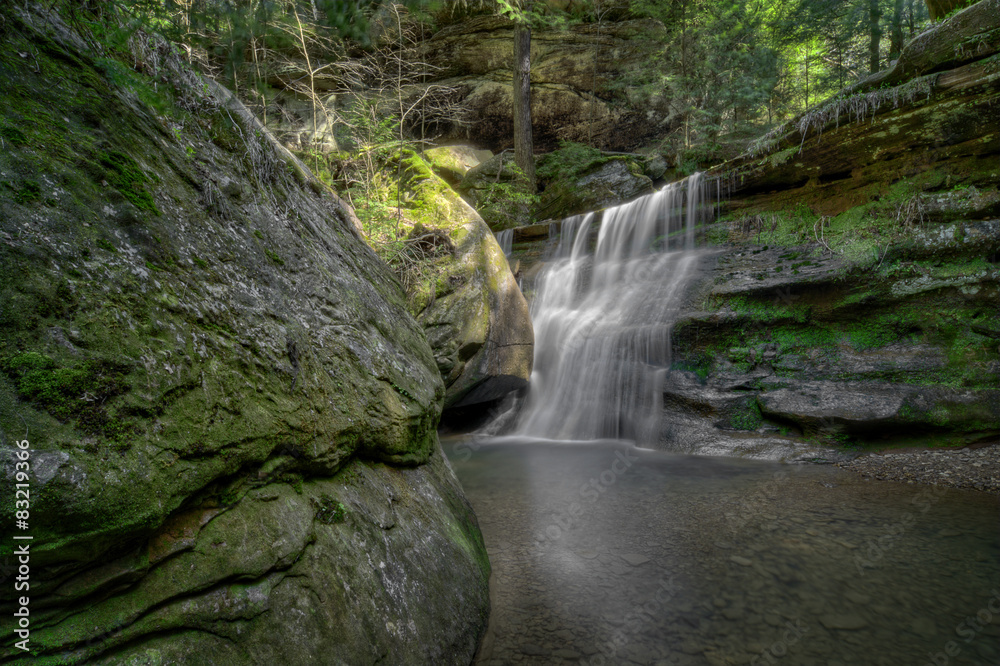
<point>168,371</point>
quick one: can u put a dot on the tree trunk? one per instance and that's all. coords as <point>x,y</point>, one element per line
<point>523,144</point>
<point>896,45</point>
<point>593,81</point>
<point>687,106</point>
<point>874,34</point>
<point>941,8</point>
<point>807,78</point>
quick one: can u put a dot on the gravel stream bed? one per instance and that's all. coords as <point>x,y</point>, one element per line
<point>977,469</point>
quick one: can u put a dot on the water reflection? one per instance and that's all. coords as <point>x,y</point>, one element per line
<point>606,554</point>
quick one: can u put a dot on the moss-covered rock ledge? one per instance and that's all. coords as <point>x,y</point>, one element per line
<point>232,414</point>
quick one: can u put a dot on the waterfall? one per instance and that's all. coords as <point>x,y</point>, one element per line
<point>602,317</point>
<point>505,239</point>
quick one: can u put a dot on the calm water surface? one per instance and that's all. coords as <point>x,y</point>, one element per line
<point>606,554</point>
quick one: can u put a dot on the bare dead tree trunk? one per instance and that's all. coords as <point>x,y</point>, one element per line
<point>312,74</point>
<point>523,143</point>
<point>687,111</point>
<point>402,118</point>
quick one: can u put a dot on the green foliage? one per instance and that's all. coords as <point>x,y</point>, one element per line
<point>699,364</point>
<point>505,204</point>
<point>374,198</point>
<point>105,244</point>
<point>79,391</point>
<point>569,161</point>
<point>767,310</point>
<point>727,68</point>
<point>329,511</point>
<point>536,15</point>
<point>274,257</point>
<point>747,417</point>
<point>125,175</point>
<point>13,135</point>
<point>368,174</point>
<point>28,192</point>
<point>716,67</point>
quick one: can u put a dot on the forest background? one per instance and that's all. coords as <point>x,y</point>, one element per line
<point>723,73</point>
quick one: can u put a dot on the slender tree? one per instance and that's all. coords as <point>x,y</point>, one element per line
<point>523,143</point>
<point>896,30</point>
<point>599,10</point>
<point>874,35</point>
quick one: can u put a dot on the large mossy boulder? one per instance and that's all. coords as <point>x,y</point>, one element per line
<point>468,302</point>
<point>452,163</point>
<point>231,414</point>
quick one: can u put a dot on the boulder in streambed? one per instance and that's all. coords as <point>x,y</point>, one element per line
<point>231,414</point>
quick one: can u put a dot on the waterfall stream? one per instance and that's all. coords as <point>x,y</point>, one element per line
<point>603,313</point>
<point>505,239</point>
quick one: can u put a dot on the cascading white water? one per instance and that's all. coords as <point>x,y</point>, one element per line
<point>602,319</point>
<point>505,239</point>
